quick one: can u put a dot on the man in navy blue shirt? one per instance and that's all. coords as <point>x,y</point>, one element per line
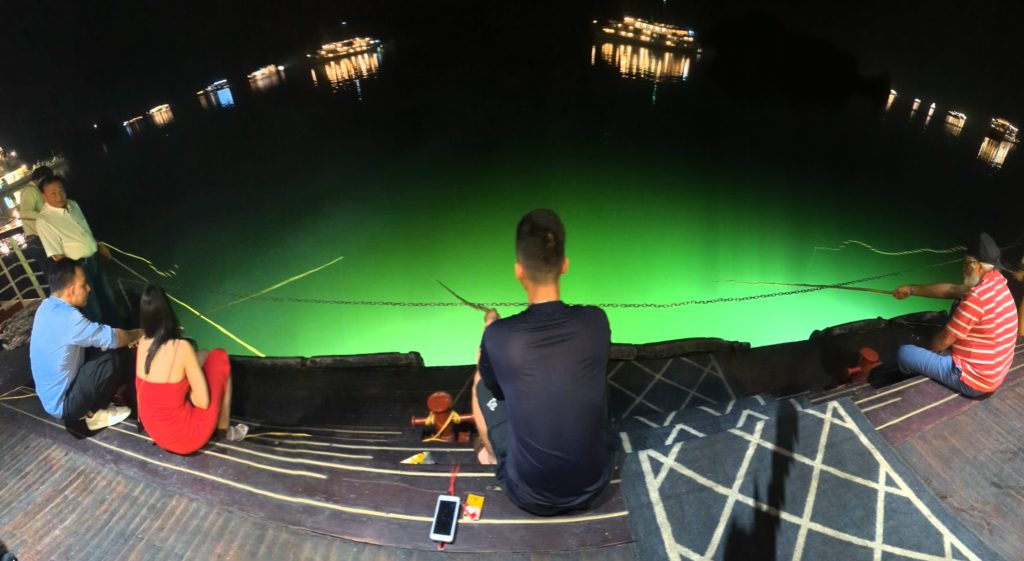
<point>540,394</point>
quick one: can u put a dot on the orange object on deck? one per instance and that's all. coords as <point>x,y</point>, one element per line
<point>441,415</point>
<point>868,361</point>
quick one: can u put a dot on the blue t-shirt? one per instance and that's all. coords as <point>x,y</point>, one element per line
<point>549,364</point>
<point>60,334</point>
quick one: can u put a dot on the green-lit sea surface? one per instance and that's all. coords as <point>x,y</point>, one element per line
<point>633,237</point>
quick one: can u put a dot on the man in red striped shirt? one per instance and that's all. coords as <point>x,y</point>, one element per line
<point>980,336</point>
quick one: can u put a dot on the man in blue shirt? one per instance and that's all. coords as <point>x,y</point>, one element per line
<point>72,386</point>
<point>540,394</point>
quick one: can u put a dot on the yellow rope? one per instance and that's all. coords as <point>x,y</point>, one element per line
<point>298,434</point>
<point>453,417</point>
<point>249,347</point>
<point>198,314</point>
<point>954,249</point>
<point>17,397</point>
<point>156,270</point>
<point>280,284</point>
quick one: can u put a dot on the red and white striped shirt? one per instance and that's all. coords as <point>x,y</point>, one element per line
<point>985,326</point>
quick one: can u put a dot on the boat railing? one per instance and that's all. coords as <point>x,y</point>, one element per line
<point>21,277</point>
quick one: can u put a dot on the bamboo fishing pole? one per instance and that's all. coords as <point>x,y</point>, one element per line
<point>821,286</point>
<point>479,307</point>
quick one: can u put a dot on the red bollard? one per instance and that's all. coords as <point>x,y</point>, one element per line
<point>868,362</point>
<point>441,416</point>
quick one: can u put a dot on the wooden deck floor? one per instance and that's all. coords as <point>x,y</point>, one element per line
<point>57,504</point>
<point>974,462</point>
<point>61,499</point>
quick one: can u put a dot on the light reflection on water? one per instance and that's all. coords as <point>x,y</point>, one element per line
<point>133,125</point>
<point>993,152</point>
<point>266,77</point>
<point>644,63</point>
<point>216,97</point>
<point>892,98</point>
<point>954,124</point>
<point>340,73</point>
<point>161,115</point>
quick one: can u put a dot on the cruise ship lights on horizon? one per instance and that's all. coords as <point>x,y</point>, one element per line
<point>653,33</point>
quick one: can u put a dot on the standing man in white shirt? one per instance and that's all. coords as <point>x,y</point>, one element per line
<point>29,205</point>
<point>65,232</point>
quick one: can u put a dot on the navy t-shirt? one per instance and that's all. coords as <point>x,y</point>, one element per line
<point>549,365</point>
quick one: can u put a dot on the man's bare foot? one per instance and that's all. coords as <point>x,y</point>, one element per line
<point>483,455</point>
<point>486,458</point>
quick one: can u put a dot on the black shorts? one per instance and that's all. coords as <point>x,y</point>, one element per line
<point>94,385</point>
<point>496,420</point>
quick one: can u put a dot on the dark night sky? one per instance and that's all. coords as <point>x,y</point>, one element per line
<point>68,64</point>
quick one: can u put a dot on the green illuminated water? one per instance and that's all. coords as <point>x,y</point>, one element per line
<point>670,239</point>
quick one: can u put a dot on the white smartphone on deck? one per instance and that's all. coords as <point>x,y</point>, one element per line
<point>446,516</point>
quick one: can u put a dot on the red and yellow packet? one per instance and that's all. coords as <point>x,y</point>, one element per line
<point>472,507</point>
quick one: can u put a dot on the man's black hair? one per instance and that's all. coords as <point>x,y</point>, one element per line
<point>540,245</point>
<point>48,180</point>
<point>40,173</point>
<point>62,274</point>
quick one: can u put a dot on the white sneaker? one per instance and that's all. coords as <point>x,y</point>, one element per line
<point>107,417</point>
<point>237,433</point>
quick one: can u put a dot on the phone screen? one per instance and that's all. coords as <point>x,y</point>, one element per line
<point>445,518</point>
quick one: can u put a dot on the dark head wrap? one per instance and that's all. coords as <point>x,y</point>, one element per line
<point>983,248</point>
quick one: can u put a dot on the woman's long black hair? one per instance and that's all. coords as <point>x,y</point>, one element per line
<point>157,320</point>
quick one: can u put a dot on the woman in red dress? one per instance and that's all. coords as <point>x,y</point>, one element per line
<point>180,403</point>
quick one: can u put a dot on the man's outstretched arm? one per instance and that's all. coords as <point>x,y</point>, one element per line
<point>127,337</point>
<point>940,290</point>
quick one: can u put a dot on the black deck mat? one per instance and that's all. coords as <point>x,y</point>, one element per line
<point>657,389</point>
<point>701,423</point>
<point>809,484</point>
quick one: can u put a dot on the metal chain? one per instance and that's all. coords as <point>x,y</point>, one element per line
<point>396,304</point>
<point>627,305</point>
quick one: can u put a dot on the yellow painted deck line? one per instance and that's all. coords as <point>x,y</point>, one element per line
<point>315,452</point>
<point>839,391</point>
<point>362,446</point>
<point>210,452</point>
<point>921,410</point>
<point>350,467</point>
<point>348,431</point>
<point>332,506</point>
<point>230,458</point>
<point>567,520</point>
<point>271,456</point>
<point>892,390</point>
<point>883,404</point>
<point>916,382</point>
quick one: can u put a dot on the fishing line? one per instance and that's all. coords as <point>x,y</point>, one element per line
<point>483,306</point>
<point>869,247</point>
<point>172,272</point>
<point>278,285</point>
<point>198,314</point>
<point>822,286</point>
